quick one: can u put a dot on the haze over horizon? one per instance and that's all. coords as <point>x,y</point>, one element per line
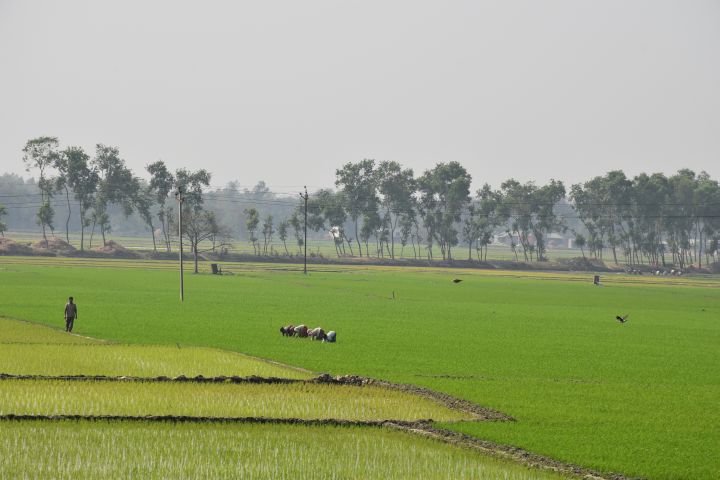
<point>287,92</point>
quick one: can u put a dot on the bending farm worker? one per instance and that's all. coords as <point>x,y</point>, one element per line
<point>317,333</point>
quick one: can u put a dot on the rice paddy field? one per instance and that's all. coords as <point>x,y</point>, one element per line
<point>90,450</point>
<point>639,399</point>
<point>297,400</point>
<point>202,428</point>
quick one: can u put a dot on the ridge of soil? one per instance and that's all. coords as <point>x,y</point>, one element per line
<point>478,411</point>
<point>507,452</point>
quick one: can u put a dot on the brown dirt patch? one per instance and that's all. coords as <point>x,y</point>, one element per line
<point>114,249</point>
<point>55,245</point>
<point>11,247</point>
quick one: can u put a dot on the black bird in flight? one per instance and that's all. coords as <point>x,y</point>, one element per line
<point>456,280</point>
<point>622,319</point>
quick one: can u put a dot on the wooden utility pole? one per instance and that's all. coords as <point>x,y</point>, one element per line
<point>305,197</point>
<point>180,198</point>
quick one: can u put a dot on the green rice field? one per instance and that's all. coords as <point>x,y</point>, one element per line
<point>134,361</point>
<point>31,349</point>
<point>92,448</point>
<point>296,400</point>
<point>638,398</point>
<point>89,450</point>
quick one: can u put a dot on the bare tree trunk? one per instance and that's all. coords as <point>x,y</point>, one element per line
<point>67,222</point>
<point>166,231</point>
<point>342,243</point>
<point>357,238</point>
<point>698,236</point>
<point>392,237</point>
<point>164,235</point>
<point>82,229</point>
<point>92,232</point>
<point>42,221</point>
<point>195,253</point>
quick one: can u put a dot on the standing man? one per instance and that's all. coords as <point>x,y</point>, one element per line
<point>71,314</point>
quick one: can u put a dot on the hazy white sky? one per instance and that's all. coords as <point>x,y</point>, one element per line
<point>287,91</point>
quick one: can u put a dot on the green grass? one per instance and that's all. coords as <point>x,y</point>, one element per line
<point>307,401</point>
<point>135,361</point>
<point>14,331</point>
<point>639,398</point>
<point>80,450</point>
<point>30,349</point>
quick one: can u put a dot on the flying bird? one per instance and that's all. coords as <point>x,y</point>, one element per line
<point>456,280</point>
<point>622,319</point>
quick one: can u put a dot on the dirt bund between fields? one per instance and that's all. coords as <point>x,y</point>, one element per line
<point>478,412</point>
<point>423,428</point>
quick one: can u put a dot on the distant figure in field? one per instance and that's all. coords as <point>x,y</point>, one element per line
<point>71,313</point>
<point>330,338</point>
<point>288,331</point>
<point>317,334</point>
<point>301,331</point>
<point>622,319</point>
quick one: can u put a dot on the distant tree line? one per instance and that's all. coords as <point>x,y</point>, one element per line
<point>382,209</point>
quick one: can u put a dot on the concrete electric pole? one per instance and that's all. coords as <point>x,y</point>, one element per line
<point>305,197</point>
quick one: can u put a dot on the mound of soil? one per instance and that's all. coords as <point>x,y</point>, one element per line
<point>11,247</point>
<point>582,263</point>
<point>54,245</point>
<point>114,249</point>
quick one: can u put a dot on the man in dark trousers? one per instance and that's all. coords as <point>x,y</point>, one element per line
<point>71,314</point>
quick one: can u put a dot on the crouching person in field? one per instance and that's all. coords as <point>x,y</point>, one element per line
<point>317,334</point>
<point>288,331</point>
<point>301,331</point>
<point>330,337</point>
